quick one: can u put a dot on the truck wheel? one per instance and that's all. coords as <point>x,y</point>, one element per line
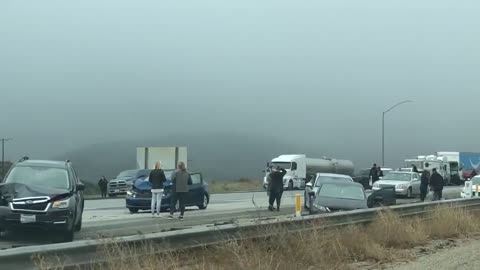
<point>290,185</point>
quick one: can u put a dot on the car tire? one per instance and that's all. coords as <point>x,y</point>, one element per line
<point>133,210</point>
<point>205,203</point>
<point>290,185</point>
<point>68,235</point>
<point>409,193</point>
<point>78,226</point>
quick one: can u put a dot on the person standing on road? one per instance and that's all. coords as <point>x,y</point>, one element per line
<point>436,185</point>
<point>415,169</point>
<point>102,184</point>
<point>180,180</point>
<point>424,179</point>
<point>157,179</point>
<point>373,176</point>
<point>276,187</point>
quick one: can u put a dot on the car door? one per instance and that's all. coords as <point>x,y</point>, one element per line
<point>415,183</point>
<point>78,194</point>
<point>195,193</point>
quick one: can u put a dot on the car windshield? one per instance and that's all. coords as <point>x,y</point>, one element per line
<point>283,165</point>
<point>398,177</point>
<point>331,178</point>
<point>342,192</point>
<point>475,181</point>
<point>40,176</point>
<point>128,174</point>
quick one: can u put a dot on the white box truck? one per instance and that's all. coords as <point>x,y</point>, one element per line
<point>301,169</point>
<point>169,156</point>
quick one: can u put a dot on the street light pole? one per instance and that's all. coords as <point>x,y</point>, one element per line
<point>3,154</point>
<point>383,127</point>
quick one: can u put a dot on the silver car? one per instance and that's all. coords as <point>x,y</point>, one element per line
<point>311,189</point>
<point>405,183</point>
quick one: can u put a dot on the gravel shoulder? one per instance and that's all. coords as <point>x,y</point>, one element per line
<point>444,255</point>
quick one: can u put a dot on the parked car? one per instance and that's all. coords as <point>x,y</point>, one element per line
<point>124,181</point>
<point>312,188</point>
<point>337,195</point>
<point>139,197</point>
<point>44,195</point>
<point>472,185</point>
<point>405,183</point>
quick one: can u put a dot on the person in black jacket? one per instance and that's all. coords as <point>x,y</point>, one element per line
<point>157,179</point>
<point>436,184</point>
<point>374,174</point>
<point>424,179</point>
<point>276,187</point>
<point>415,169</point>
<point>103,184</point>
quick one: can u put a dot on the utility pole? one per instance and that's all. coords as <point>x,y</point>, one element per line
<point>3,154</point>
<point>383,126</point>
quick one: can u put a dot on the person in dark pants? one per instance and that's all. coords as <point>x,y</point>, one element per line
<point>276,187</point>
<point>424,181</point>
<point>436,185</point>
<point>374,174</point>
<point>102,184</point>
<point>180,180</point>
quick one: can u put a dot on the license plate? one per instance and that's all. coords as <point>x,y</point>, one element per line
<point>28,219</point>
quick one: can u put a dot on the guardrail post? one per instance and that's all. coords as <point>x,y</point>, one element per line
<point>476,190</point>
<point>298,205</point>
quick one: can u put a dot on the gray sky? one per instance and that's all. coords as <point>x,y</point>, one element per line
<point>313,73</point>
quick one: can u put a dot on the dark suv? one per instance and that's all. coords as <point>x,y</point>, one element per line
<point>42,194</point>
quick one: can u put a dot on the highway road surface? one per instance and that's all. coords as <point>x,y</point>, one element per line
<point>110,218</point>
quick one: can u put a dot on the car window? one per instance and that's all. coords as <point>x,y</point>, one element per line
<point>196,179</point>
<point>323,178</point>
<point>342,192</point>
<point>40,176</point>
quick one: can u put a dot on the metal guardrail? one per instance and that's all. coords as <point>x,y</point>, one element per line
<point>84,253</point>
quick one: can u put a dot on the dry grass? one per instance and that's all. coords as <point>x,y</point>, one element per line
<point>243,184</point>
<point>388,239</point>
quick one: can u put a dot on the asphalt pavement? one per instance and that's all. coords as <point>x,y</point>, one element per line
<point>110,218</point>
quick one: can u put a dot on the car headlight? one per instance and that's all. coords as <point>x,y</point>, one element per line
<point>130,193</point>
<point>61,204</point>
<point>402,186</point>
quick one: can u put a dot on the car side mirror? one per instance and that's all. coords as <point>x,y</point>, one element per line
<point>80,187</point>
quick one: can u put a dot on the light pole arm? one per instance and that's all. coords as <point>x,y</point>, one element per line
<point>396,105</point>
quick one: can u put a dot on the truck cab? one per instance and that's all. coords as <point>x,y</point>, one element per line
<point>296,171</point>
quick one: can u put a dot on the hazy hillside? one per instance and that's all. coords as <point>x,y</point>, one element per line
<point>219,156</point>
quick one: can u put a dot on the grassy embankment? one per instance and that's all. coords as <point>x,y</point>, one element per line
<point>388,239</point>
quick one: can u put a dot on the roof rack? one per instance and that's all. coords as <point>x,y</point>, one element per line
<point>23,159</point>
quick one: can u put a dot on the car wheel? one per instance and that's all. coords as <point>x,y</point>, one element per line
<point>204,205</point>
<point>133,210</point>
<point>290,185</point>
<point>409,193</point>
<point>78,226</point>
<point>67,236</point>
